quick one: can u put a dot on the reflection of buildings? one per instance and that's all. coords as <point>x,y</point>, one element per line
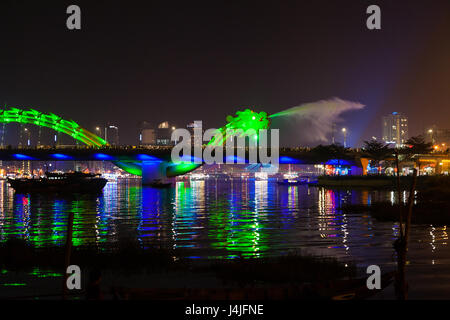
<point>189,213</point>
<point>395,129</point>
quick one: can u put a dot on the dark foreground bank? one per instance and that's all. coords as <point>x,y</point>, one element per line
<point>129,272</point>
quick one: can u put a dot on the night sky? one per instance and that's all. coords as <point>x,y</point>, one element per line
<point>203,60</point>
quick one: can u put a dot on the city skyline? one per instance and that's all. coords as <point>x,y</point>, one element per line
<point>130,63</point>
<point>224,151</point>
<point>158,132</point>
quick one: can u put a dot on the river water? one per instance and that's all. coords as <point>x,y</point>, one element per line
<point>216,219</point>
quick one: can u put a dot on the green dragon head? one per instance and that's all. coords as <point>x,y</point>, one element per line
<point>244,122</point>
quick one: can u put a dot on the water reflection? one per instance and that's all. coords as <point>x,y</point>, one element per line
<point>217,219</point>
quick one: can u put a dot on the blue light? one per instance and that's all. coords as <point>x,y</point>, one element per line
<point>342,171</point>
<point>22,156</point>
<point>102,156</point>
<point>191,159</point>
<point>235,159</point>
<point>146,157</point>
<point>60,156</point>
<point>289,160</point>
<point>340,162</point>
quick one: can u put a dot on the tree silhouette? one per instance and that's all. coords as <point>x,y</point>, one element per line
<point>329,152</point>
<point>417,145</point>
<point>377,152</point>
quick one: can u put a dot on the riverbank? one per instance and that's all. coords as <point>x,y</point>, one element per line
<point>431,203</point>
<point>156,269</point>
<point>437,214</point>
<point>382,181</point>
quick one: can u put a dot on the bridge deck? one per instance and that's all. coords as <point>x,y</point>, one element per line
<point>286,155</point>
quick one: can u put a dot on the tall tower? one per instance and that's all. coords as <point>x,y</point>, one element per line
<point>395,129</point>
<point>112,135</point>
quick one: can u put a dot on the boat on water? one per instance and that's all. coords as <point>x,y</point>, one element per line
<point>292,182</point>
<point>261,176</point>
<point>198,176</point>
<point>70,182</point>
<point>297,182</point>
<point>293,179</point>
<point>158,183</point>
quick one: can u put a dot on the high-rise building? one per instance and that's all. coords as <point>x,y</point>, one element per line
<point>164,134</point>
<point>148,137</point>
<point>395,129</point>
<point>147,134</point>
<point>160,134</point>
<point>196,140</point>
<point>112,135</point>
<point>437,136</point>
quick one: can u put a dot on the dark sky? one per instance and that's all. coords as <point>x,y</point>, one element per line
<point>203,60</point>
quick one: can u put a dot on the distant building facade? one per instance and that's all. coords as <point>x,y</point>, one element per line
<point>164,134</point>
<point>156,135</point>
<point>395,129</point>
<point>438,136</point>
<point>112,135</point>
<point>148,137</point>
<point>196,141</point>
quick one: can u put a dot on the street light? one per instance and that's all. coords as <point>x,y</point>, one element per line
<point>29,138</point>
<point>344,131</point>
<point>98,130</point>
<point>430,131</point>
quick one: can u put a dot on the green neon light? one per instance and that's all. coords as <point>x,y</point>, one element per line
<point>14,284</point>
<point>240,125</point>
<point>181,168</point>
<point>37,272</point>
<point>130,167</point>
<point>51,121</point>
<point>247,122</point>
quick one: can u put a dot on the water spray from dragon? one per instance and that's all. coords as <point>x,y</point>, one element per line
<point>313,121</point>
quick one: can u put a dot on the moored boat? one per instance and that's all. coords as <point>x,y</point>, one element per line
<point>72,182</point>
<point>160,184</point>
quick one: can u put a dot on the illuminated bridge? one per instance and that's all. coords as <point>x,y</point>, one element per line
<point>140,157</point>
<point>150,163</point>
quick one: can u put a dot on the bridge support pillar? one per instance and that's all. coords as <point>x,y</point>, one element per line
<point>154,171</point>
